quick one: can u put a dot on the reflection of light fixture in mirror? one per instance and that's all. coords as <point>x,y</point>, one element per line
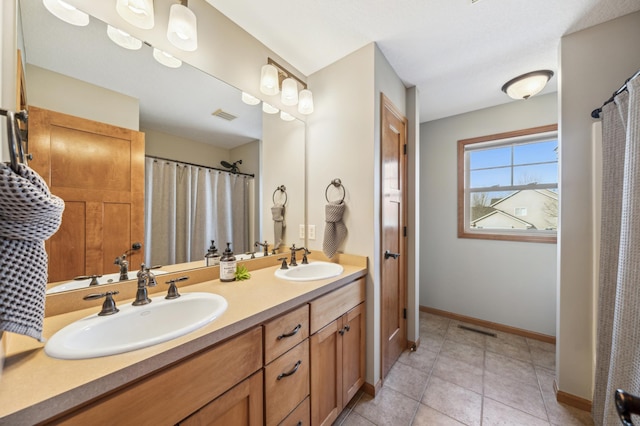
<point>166,59</point>
<point>136,12</point>
<point>249,99</point>
<point>286,116</point>
<point>526,85</point>
<point>269,109</point>
<point>123,39</point>
<point>269,80</point>
<point>305,106</point>
<point>273,76</point>
<point>182,31</point>
<point>69,14</point>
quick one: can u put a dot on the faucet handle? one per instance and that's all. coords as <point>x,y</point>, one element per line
<point>172,293</point>
<point>284,263</point>
<point>93,278</point>
<point>109,305</point>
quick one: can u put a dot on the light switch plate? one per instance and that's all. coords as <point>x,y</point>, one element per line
<point>312,232</point>
<point>301,232</point>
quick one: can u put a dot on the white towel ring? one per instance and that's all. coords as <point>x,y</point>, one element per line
<point>338,184</point>
<point>282,189</point>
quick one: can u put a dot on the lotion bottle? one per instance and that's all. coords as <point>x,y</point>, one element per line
<point>211,258</point>
<point>228,265</point>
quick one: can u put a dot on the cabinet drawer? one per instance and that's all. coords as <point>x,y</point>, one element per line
<point>331,306</point>
<point>285,332</point>
<point>286,383</point>
<point>299,416</point>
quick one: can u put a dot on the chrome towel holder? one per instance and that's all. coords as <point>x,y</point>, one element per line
<point>283,190</point>
<point>337,183</point>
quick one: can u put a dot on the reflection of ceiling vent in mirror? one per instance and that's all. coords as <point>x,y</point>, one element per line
<point>224,115</point>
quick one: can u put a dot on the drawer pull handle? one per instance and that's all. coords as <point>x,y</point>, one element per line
<point>293,370</point>
<point>292,333</point>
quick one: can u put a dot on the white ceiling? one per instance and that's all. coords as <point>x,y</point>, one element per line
<point>458,54</point>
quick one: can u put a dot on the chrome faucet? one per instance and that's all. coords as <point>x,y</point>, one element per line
<point>265,247</point>
<point>146,278</point>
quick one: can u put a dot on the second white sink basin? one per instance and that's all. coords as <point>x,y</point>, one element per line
<point>310,272</point>
<point>135,327</point>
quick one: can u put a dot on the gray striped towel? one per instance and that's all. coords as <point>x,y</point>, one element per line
<point>335,231</point>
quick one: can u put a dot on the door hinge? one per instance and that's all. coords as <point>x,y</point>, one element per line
<point>404,231</point>
<point>405,149</point>
<point>404,313</point>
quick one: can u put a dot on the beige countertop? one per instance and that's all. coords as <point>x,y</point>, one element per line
<point>35,387</point>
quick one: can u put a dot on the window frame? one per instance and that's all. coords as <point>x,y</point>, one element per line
<point>464,230</point>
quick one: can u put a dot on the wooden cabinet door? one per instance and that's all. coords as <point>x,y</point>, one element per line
<point>240,406</point>
<point>326,374</point>
<point>98,170</point>
<point>353,352</point>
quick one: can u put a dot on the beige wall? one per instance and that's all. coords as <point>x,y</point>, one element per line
<point>164,145</point>
<point>57,92</point>
<point>511,283</point>
<point>593,63</point>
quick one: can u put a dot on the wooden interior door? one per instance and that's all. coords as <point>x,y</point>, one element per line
<point>393,222</point>
<point>98,170</point>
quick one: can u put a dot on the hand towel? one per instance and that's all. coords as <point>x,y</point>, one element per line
<point>335,231</point>
<point>279,225</point>
<point>29,214</point>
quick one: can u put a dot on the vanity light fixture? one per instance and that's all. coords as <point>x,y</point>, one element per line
<point>269,109</point>
<point>182,30</point>
<point>136,12</point>
<point>66,12</point>
<point>274,77</point>
<point>166,59</point>
<point>526,85</point>
<point>249,99</point>
<point>123,39</point>
<point>286,116</point>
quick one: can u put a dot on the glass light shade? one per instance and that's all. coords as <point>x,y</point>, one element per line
<point>269,80</point>
<point>123,39</point>
<point>249,99</point>
<point>527,85</point>
<point>166,59</point>
<point>64,11</point>
<point>269,109</point>
<point>182,31</point>
<point>136,12</point>
<point>286,116</point>
<point>305,103</point>
<point>289,91</point>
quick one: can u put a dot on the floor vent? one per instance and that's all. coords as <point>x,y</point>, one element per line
<point>475,330</point>
<point>224,115</point>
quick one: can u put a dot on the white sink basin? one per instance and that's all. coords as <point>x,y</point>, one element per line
<point>310,272</point>
<point>105,279</point>
<point>135,327</point>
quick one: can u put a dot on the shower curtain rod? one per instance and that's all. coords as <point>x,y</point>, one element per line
<point>596,112</point>
<point>200,165</point>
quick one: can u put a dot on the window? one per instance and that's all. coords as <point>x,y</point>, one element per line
<point>508,186</point>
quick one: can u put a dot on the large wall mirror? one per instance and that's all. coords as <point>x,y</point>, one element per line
<point>188,117</point>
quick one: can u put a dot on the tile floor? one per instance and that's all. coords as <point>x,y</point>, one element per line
<point>459,377</point>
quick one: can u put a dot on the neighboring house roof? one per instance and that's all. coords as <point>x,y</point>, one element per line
<point>508,218</point>
<point>480,211</point>
<point>547,193</point>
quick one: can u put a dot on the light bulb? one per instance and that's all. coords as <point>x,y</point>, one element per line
<point>182,31</point>
<point>66,12</point>
<point>305,104</point>
<point>249,99</point>
<point>289,91</point>
<point>123,39</point>
<point>166,59</point>
<point>269,109</point>
<point>269,80</point>
<point>286,116</point>
<point>136,12</point>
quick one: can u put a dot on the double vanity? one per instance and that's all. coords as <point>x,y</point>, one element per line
<point>284,350</point>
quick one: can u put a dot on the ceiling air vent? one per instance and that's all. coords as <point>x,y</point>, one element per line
<point>224,115</point>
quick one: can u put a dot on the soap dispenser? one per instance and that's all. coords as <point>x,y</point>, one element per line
<point>211,258</point>
<point>228,265</point>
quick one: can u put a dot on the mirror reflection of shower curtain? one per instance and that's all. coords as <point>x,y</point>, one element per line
<point>188,206</point>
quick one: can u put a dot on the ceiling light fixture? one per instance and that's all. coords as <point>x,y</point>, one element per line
<point>182,31</point>
<point>136,12</point>
<point>166,59</point>
<point>526,85</point>
<point>64,11</point>
<point>286,116</point>
<point>123,39</point>
<point>269,109</point>
<point>274,76</point>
